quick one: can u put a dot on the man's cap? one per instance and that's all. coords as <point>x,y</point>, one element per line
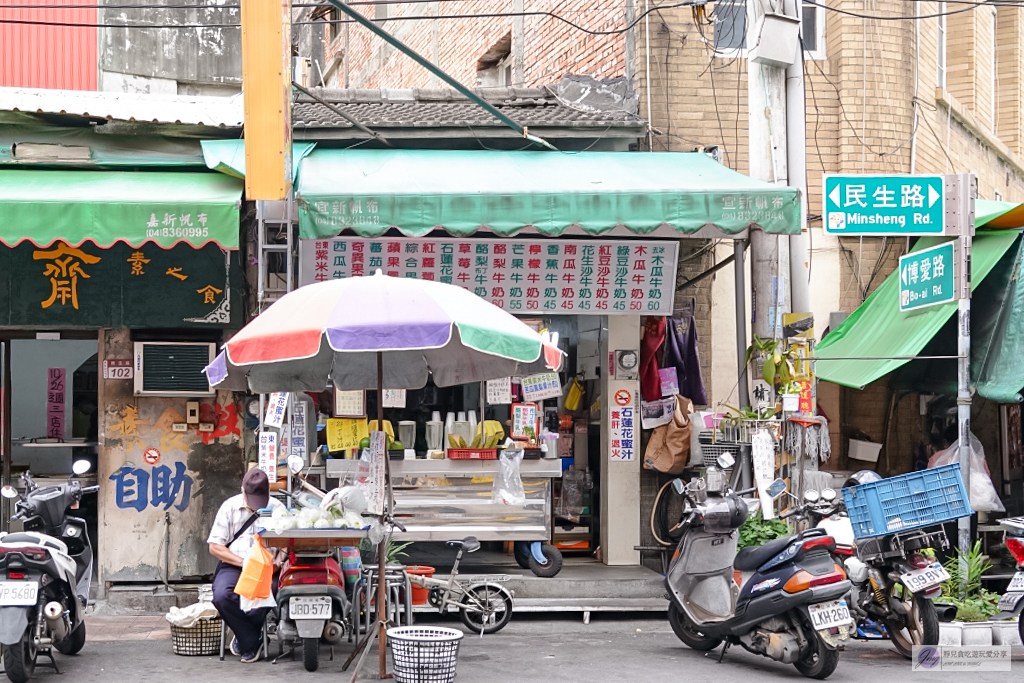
<point>256,487</point>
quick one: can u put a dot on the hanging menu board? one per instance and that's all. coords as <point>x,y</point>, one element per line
<point>596,277</point>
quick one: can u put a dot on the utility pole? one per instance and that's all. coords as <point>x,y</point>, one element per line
<point>768,158</point>
<point>965,193</point>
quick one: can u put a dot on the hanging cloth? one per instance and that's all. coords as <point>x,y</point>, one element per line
<point>681,353</point>
<point>654,337</point>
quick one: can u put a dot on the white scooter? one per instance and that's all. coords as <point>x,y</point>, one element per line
<point>45,572</point>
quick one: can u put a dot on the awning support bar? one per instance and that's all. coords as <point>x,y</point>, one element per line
<point>707,273</point>
<point>429,66</point>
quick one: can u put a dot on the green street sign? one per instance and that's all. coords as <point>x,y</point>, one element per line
<point>863,205</point>
<point>928,277</point>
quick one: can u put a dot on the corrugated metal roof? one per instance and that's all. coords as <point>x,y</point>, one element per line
<point>218,112</point>
<point>41,56</point>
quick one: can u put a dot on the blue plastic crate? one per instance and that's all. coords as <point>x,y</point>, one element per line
<point>908,501</point>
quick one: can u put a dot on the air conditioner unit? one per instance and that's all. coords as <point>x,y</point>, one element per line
<point>172,368</point>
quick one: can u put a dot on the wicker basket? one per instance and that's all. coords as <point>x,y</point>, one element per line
<point>200,640</point>
<point>424,654</point>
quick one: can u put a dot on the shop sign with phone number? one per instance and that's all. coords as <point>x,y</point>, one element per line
<point>596,277</point>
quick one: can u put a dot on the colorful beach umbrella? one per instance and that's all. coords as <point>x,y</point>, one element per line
<point>335,329</point>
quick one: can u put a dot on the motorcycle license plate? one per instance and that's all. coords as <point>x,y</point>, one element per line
<point>925,578</point>
<point>18,593</point>
<point>1009,601</point>
<point>318,607</point>
<point>826,615</point>
<point>1016,583</point>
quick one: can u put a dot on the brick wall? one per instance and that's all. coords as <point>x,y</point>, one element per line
<point>546,47</point>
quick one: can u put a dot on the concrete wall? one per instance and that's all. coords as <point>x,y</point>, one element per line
<point>194,475</point>
<point>170,60</point>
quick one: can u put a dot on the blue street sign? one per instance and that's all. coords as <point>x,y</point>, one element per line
<point>880,205</point>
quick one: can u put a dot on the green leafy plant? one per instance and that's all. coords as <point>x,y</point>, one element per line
<point>757,531</point>
<point>963,589</point>
<point>779,362</point>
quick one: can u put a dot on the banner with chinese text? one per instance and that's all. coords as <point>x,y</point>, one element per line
<point>596,277</point>
<point>60,285</point>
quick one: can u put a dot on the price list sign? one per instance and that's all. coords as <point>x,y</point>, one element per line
<point>597,277</point>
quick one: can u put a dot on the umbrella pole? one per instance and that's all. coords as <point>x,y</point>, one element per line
<point>382,547</point>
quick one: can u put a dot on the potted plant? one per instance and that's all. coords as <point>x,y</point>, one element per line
<point>974,604</point>
<point>776,363</point>
<point>790,392</point>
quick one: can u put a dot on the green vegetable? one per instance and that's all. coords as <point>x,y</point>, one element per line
<point>757,531</point>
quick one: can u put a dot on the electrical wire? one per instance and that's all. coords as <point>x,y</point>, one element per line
<point>487,15</point>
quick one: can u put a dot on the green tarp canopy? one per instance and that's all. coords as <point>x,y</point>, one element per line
<point>109,206</point>
<point>877,330</point>
<point>228,156</point>
<point>417,191</point>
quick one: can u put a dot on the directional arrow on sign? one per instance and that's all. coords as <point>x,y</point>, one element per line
<point>903,275</point>
<point>834,195</point>
<point>933,196</point>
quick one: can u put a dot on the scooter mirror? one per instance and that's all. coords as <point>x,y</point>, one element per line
<point>811,496</point>
<point>679,485</point>
<point>9,492</point>
<point>726,461</point>
<point>828,495</point>
<point>296,463</point>
<point>777,488</point>
<point>80,467</point>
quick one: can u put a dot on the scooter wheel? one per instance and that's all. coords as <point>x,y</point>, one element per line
<point>20,659</point>
<point>820,662</point>
<point>73,643</point>
<point>687,631</point>
<point>554,562</point>
<point>311,653</point>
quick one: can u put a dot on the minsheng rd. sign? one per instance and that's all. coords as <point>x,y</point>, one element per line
<point>885,205</point>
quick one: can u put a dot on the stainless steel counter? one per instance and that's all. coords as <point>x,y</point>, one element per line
<point>452,469</point>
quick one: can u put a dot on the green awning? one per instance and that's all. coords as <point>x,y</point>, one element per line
<point>106,207</point>
<point>228,156</point>
<point>417,191</point>
<point>877,329</point>
<point>993,214</point>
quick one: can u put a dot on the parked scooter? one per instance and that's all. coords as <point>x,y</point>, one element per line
<point>45,572</point>
<point>787,602</point>
<point>895,578</point>
<point>1012,602</point>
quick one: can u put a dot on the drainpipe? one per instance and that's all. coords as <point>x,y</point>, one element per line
<point>167,551</point>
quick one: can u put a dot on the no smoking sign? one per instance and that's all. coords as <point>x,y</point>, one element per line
<point>151,456</point>
<point>623,397</point>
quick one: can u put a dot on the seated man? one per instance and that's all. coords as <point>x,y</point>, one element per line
<point>230,541</point>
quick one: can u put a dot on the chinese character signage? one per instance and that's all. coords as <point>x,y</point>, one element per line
<point>542,386</point>
<point>268,455</point>
<point>499,391</point>
<point>885,205</point>
<point>60,285</point>
<point>524,420</point>
<point>597,277</point>
<point>56,392</point>
<point>927,277</point>
<point>275,409</point>
<point>623,436</point>
<point>297,442</point>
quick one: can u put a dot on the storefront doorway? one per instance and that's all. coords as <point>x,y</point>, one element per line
<point>53,386</point>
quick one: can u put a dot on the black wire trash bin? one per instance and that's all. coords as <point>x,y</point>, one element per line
<point>424,654</point>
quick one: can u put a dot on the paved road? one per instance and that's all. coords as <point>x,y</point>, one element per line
<point>532,648</point>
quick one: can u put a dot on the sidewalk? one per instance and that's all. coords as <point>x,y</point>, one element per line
<point>107,629</point>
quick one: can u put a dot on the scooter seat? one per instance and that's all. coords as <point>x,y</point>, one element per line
<point>33,539</point>
<point>752,557</point>
<point>468,544</point>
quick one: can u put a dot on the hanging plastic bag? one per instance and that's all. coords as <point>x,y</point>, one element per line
<point>508,485</point>
<point>570,502</point>
<point>257,573</point>
<point>983,495</point>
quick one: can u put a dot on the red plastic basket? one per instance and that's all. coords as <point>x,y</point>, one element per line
<point>472,453</point>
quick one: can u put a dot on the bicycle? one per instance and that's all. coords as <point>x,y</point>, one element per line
<point>484,604</point>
